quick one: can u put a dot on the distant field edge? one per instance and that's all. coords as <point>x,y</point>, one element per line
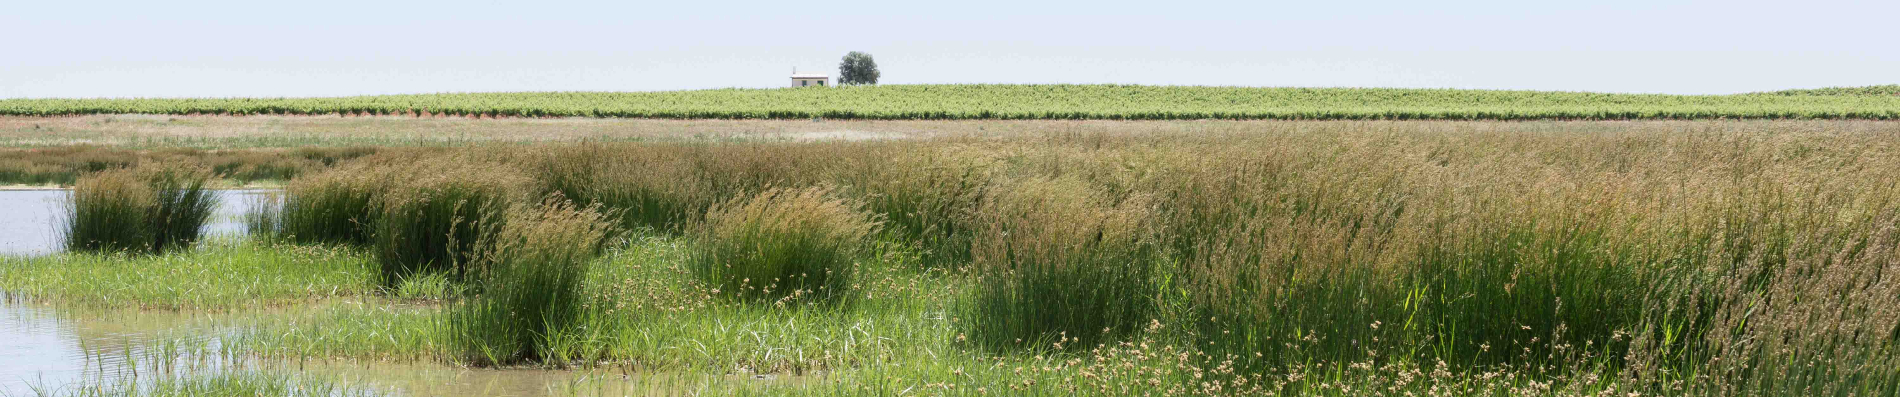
<point>1019,102</point>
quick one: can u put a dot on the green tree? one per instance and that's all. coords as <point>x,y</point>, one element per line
<point>857,68</point>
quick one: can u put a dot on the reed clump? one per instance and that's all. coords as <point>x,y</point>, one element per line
<point>147,209</point>
<point>928,197</point>
<point>783,245</point>
<point>61,165</point>
<point>531,271</point>
<point>106,213</point>
<point>647,186</point>
<point>434,219</point>
<point>337,206</point>
<point>1062,264</point>
<point>743,170</point>
<point>1791,302</point>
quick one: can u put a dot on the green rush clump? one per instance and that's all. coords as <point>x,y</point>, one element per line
<point>1062,264</point>
<point>435,218</point>
<point>781,244</point>
<point>145,209</point>
<point>531,274</point>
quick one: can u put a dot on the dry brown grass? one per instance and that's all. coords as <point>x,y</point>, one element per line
<point>65,164</point>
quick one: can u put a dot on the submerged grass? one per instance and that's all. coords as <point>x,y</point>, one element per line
<point>641,308</point>
<point>218,384</point>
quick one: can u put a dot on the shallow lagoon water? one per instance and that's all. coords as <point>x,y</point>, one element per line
<point>46,348</point>
<point>27,218</point>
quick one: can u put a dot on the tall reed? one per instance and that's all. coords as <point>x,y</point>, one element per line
<point>1062,265</point>
<point>337,206</point>
<point>658,187</point>
<point>184,205</point>
<point>147,209</point>
<point>927,197</point>
<point>1790,300</point>
<point>742,170</point>
<point>107,213</point>
<point>531,269</point>
<point>781,244</point>
<point>1289,261</point>
<point>435,220</point>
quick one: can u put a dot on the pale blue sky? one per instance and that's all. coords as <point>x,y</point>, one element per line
<point>78,48</point>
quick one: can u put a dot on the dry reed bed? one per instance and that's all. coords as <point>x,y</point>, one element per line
<point>65,164</point>
<point>55,150</point>
<point>1009,101</point>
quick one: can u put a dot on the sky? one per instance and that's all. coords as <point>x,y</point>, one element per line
<point>80,48</point>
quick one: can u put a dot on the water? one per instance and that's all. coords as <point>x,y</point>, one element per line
<point>27,218</point>
<point>44,347</point>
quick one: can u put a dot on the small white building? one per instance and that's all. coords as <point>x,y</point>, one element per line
<point>810,79</point>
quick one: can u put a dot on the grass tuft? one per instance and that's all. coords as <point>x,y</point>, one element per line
<point>106,213</point>
<point>781,244</point>
<point>338,206</point>
<point>148,209</point>
<point>1062,266</point>
<point>643,187</point>
<point>435,220</point>
<point>926,197</point>
<point>532,272</point>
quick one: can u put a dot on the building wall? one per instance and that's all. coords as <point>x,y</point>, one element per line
<point>812,82</point>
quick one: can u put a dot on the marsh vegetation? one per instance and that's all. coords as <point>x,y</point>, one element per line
<point>1678,258</point>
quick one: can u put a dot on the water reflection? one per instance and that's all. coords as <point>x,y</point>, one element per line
<point>27,218</point>
<point>49,348</point>
<point>41,346</point>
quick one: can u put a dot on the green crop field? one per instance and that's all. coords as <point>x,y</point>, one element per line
<point>1035,102</point>
<point>1872,90</point>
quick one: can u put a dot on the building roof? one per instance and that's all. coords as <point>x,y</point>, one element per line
<point>809,76</point>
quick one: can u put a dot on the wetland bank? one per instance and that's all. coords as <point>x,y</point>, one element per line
<point>973,257</point>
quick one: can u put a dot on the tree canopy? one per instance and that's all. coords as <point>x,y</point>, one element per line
<point>857,68</point>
